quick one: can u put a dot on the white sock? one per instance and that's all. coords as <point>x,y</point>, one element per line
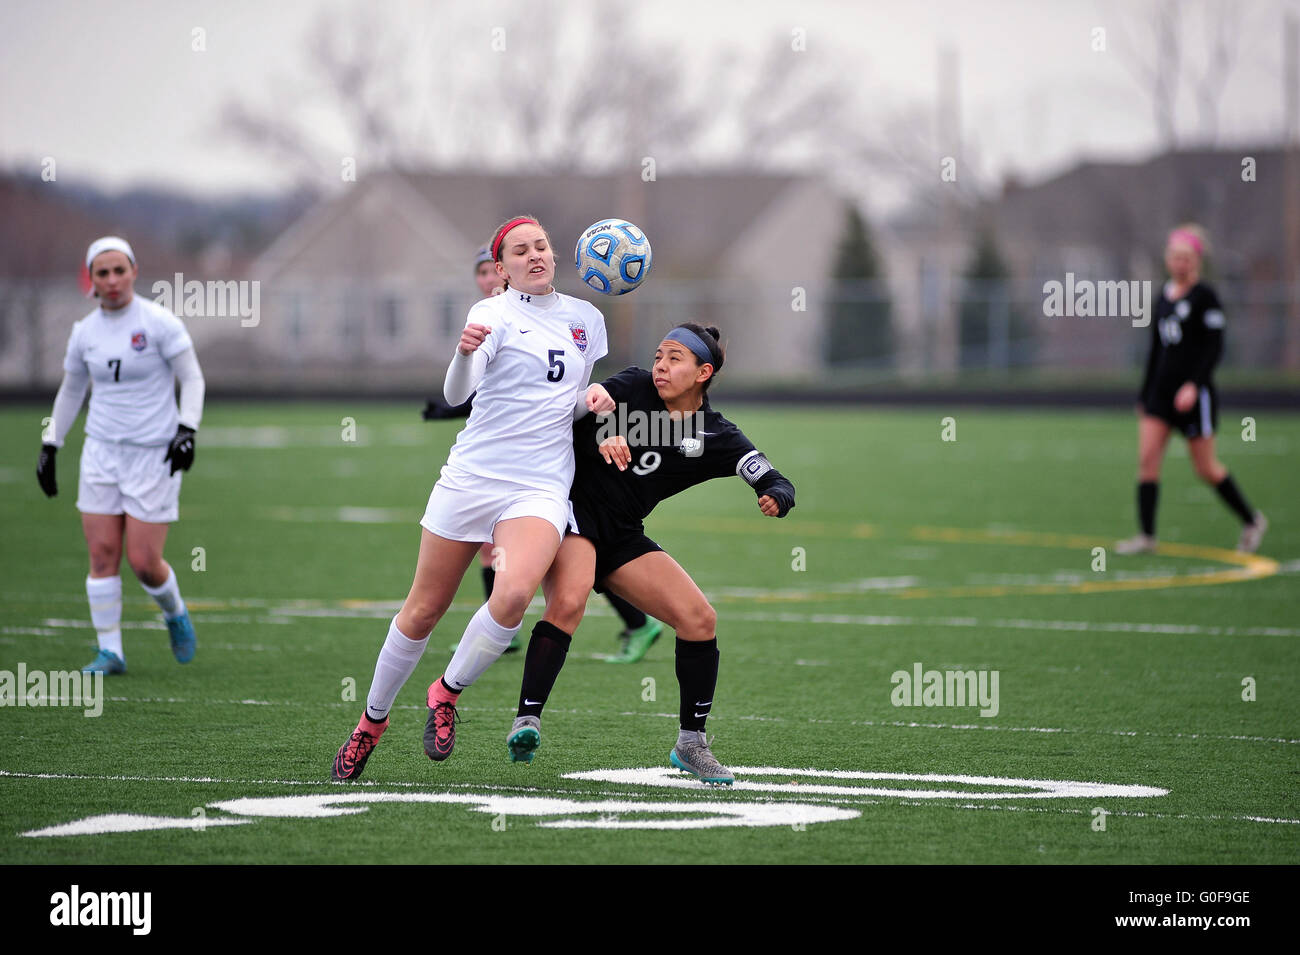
<point>484,641</point>
<point>105,596</point>
<point>167,596</point>
<point>397,660</point>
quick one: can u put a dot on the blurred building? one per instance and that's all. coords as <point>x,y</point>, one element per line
<point>1101,221</point>
<point>371,288</point>
<point>42,259</point>
<point>367,292</point>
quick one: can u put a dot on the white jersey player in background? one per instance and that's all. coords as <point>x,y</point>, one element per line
<point>529,353</point>
<point>130,353</point>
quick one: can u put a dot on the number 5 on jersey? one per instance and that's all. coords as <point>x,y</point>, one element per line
<point>556,371</point>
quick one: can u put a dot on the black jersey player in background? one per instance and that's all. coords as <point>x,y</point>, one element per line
<point>618,480</point>
<point>639,631</point>
<point>1178,391</point>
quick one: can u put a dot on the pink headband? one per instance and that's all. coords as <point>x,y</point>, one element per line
<point>1189,237</point>
<point>496,243</point>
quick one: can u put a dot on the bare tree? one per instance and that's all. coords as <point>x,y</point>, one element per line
<point>1160,57</point>
<point>1223,35</point>
<point>570,95</point>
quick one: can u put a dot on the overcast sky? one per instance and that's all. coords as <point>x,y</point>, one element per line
<point>118,96</point>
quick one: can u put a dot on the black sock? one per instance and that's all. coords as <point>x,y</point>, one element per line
<point>1148,491</point>
<point>697,675</point>
<point>489,578</point>
<point>633,619</point>
<point>547,648</point>
<point>1227,489</point>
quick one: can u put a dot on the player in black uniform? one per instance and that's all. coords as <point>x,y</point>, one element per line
<point>618,480</point>
<point>1178,391</point>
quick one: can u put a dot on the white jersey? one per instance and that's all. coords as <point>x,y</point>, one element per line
<point>128,353</point>
<point>539,359</point>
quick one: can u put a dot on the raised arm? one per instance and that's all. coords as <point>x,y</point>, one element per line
<point>767,482</point>
<point>467,366</point>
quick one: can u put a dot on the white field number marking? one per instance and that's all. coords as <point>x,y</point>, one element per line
<point>997,787</point>
<point>577,814</point>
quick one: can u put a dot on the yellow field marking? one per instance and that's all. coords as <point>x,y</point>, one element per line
<point>758,524</point>
<point>1245,567</point>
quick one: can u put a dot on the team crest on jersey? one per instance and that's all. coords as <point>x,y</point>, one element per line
<point>579,335</point>
<point>138,341</point>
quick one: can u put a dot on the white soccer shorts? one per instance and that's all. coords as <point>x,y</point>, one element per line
<point>128,479</point>
<point>463,514</point>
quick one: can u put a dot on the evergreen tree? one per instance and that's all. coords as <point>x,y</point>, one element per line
<point>858,327</point>
<point>987,287</point>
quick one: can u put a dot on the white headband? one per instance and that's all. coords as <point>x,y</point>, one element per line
<point>109,243</point>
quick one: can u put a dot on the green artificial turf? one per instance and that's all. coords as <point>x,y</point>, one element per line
<point>969,554</point>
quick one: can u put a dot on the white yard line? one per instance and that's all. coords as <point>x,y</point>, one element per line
<point>883,724</point>
<point>711,792</point>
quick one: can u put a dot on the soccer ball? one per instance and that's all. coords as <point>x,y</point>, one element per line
<point>613,257</point>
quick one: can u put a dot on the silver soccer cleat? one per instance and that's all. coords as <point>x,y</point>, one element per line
<point>693,755</point>
<point>524,738</point>
<point>1140,544</point>
<point>1252,534</point>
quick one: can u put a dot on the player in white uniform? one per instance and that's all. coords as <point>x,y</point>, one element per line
<point>529,353</point>
<point>130,353</point>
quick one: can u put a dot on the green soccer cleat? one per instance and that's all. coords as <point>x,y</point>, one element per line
<point>639,642</point>
<point>525,736</point>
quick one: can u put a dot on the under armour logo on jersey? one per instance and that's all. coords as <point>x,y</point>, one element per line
<point>525,298</point>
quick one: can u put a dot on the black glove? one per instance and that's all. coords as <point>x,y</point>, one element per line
<point>45,470</point>
<point>438,410</point>
<point>181,451</point>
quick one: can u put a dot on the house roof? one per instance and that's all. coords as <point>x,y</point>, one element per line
<point>704,213</point>
<point>1128,207</point>
<point>46,235</point>
<point>1131,206</point>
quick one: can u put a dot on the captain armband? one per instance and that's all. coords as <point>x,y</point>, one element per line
<point>753,466</point>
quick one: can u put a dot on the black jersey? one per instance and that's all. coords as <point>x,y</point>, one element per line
<point>1186,342</point>
<point>666,458</point>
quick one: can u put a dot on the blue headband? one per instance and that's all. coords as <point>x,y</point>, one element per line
<point>484,255</point>
<point>697,345</point>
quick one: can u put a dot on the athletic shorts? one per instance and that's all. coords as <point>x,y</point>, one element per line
<point>1200,422</point>
<point>617,542</point>
<point>462,514</point>
<point>128,479</point>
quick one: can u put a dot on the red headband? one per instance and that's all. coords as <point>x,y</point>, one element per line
<point>501,234</point>
<point>1189,237</point>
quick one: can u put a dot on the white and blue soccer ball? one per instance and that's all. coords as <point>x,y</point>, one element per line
<point>613,257</point>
